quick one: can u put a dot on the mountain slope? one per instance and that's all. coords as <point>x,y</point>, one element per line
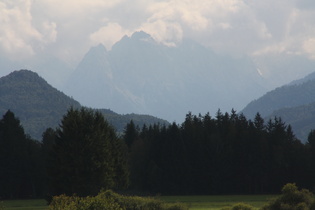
<point>283,97</point>
<point>38,105</point>
<point>301,118</point>
<point>147,77</point>
<point>294,103</point>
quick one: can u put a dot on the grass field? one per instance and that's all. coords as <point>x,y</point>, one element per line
<point>35,204</point>
<point>194,202</point>
<point>218,202</point>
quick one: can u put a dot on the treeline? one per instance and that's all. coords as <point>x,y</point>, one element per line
<point>225,154</point>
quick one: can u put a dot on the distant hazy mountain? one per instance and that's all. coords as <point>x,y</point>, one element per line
<point>141,76</point>
<point>287,96</point>
<point>294,103</point>
<point>282,68</point>
<point>38,105</point>
<point>307,78</point>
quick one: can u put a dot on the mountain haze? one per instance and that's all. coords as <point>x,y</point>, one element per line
<point>139,75</point>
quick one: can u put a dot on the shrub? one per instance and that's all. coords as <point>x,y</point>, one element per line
<point>111,201</point>
<point>292,199</point>
<point>141,203</point>
<point>64,202</point>
<point>240,206</point>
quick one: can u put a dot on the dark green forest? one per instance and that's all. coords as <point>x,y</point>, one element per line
<point>227,154</point>
<point>224,154</point>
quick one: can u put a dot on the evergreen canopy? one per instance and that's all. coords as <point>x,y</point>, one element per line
<point>86,155</point>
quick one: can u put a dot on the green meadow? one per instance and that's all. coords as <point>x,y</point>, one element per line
<point>194,202</point>
<point>33,204</point>
<point>214,202</point>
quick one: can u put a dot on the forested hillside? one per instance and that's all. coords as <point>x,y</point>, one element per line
<point>38,105</point>
<point>282,97</point>
<point>294,103</point>
<point>302,119</point>
<point>119,121</point>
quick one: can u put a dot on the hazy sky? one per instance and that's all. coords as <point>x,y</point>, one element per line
<point>68,28</point>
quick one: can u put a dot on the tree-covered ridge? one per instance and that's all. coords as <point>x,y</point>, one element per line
<point>120,121</point>
<point>300,117</point>
<point>38,105</point>
<point>225,154</point>
<point>283,97</point>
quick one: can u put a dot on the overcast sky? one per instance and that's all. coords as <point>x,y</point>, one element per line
<point>68,28</point>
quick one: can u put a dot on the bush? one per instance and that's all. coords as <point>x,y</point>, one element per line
<point>64,202</point>
<point>111,201</point>
<point>240,206</point>
<point>292,199</point>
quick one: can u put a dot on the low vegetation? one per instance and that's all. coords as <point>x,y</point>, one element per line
<point>292,199</point>
<point>111,201</point>
<point>240,206</point>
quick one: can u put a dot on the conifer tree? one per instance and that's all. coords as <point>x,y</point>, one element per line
<point>86,156</point>
<point>19,160</point>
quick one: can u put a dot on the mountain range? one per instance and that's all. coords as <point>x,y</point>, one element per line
<point>145,81</point>
<point>139,75</point>
<point>39,106</point>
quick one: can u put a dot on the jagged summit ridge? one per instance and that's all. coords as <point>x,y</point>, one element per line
<point>139,75</point>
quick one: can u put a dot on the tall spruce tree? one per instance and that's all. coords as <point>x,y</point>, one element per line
<point>131,133</point>
<point>20,165</point>
<point>86,156</point>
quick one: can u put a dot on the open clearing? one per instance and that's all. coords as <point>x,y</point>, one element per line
<point>212,202</point>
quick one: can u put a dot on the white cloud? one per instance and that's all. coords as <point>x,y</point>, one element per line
<point>108,35</point>
<point>19,38</point>
<point>309,47</point>
<point>67,29</point>
<point>306,4</point>
<point>296,34</point>
<point>71,9</point>
<point>164,32</point>
<point>49,31</point>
